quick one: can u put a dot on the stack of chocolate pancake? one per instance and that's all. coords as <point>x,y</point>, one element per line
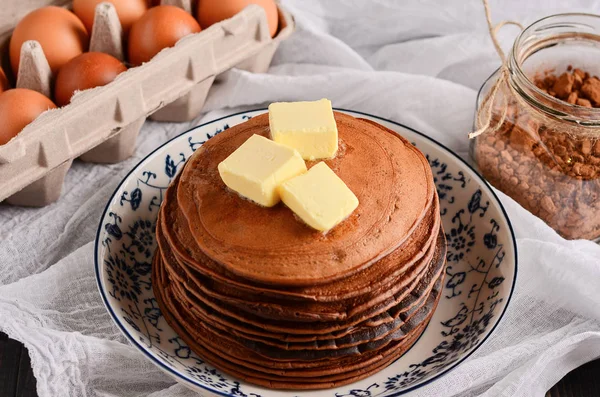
<point>269,300</point>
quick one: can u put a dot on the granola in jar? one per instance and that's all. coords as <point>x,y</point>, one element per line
<point>542,146</point>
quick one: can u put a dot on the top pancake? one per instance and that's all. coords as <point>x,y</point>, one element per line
<point>390,177</point>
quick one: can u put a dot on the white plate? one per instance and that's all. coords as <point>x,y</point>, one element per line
<point>481,273</point>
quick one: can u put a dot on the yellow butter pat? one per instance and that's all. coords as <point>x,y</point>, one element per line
<point>319,197</point>
<point>258,166</point>
<point>308,127</point>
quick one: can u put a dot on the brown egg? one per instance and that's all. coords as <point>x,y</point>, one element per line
<point>212,11</point>
<point>88,70</point>
<point>160,27</point>
<point>60,33</point>
<point>19,107</point>
<point>128,11</point>
<point>3,81</point>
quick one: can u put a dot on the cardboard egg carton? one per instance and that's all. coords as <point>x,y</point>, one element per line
<point>102,124</point>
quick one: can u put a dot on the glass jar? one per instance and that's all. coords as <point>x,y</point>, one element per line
<point>542,151</point>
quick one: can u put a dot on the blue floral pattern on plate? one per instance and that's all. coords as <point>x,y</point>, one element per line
<point>479,279</point>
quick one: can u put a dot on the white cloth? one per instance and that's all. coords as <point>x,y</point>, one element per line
<point>416,62</point>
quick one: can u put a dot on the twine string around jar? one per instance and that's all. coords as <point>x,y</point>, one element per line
<point>487,113</point>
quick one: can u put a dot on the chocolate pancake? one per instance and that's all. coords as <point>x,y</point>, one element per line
<point>312,377</point>
<point>293,327</point>
<point>268,356</point>
<point>265,298</point>
<point>390,177</point>
<point>292,310</point>
<point>235,352</point>
<point>347,362</point>
<point>335,349</point>
<point>356,335</point>
<point>178,237</point>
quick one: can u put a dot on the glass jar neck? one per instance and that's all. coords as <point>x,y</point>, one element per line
<point>546,39</point>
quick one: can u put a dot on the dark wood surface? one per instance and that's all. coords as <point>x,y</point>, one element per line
<point>17,380</point>
<point>583,381</point>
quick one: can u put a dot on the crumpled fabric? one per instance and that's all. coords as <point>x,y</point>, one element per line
<point>419,63</point>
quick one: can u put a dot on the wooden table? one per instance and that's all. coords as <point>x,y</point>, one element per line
<point>17,380</point>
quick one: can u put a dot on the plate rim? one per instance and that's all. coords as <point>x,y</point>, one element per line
<point>179,376</point>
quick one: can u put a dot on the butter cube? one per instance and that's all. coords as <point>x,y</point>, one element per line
<point>258,166</point>
<point>319,197</point>
<point>308,127</point>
